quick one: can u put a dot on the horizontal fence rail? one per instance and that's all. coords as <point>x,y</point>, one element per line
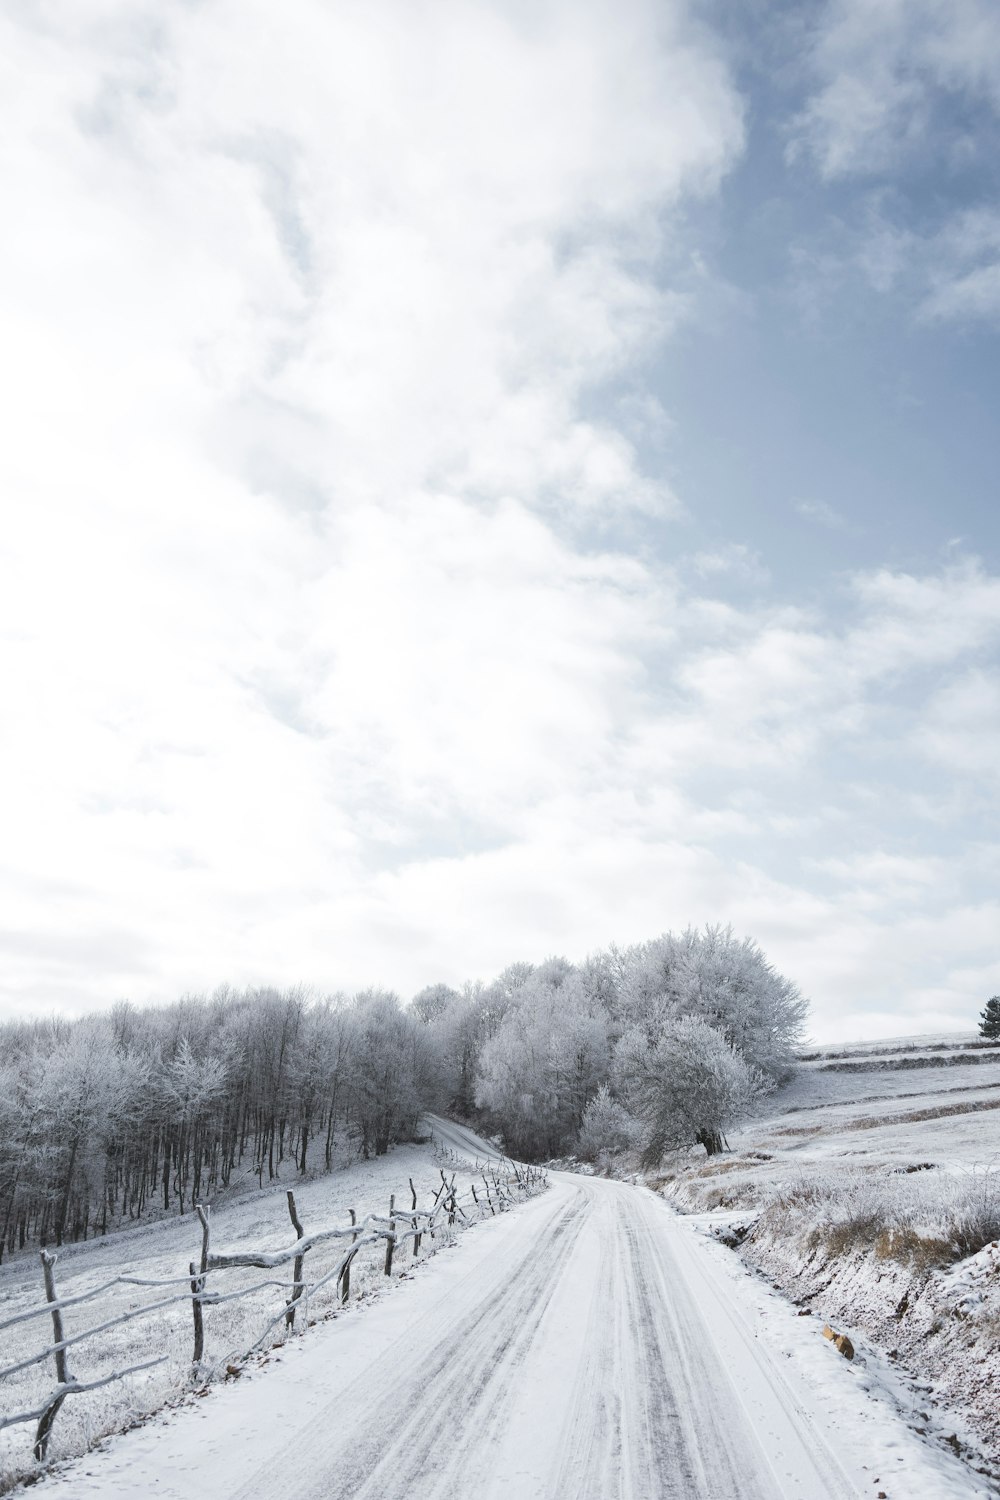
<point>502,1182</point>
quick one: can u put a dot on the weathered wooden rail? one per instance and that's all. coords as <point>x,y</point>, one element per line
<point>499,1192</point>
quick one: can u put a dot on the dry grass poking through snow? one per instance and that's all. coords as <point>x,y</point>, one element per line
<point>922,1219</point>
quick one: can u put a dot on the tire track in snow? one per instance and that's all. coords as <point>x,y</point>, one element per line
<point>711,1454</point>
<point>648,1415</point>
<point>650,1412</point>
<point>439,1414</point>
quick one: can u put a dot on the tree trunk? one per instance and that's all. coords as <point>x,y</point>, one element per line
<point>711,1139</point>
<point>64,1205</point>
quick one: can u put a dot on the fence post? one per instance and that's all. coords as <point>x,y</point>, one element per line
<point>345,1275</point>
<point>199,1321</point>
<point>391,1241</point>
<point>203,1210</point>
<point>299,1261</point>
<point>416,1231</point>
<point>197,1287</point>
<point>51,1411</point>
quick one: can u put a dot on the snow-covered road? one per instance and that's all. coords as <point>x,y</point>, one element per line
<point>575,1362</point>
<point>585,1347</point>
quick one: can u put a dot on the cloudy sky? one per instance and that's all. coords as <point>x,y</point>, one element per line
<point>483,480</point>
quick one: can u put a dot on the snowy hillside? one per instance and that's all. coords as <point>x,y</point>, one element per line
<point>593,1342</point>
<point>589,1344</point>
<point>160,1252</point>
<point>869,1192</point>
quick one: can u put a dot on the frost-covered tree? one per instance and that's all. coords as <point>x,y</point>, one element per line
<point>607,1126</point>
<point>513,1088</point>
<point>386,1061</point>
<point>108,1119</point>
<point>687,1086</point>
<point>718,978</point>
<point>546,1060</point>
<point>146,1109</point>
<point>450,1024</point>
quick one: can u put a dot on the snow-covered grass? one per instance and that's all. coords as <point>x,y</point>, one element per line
<point>871,1195</point>
<point>814,1087</point>
<point>922,1218</point>
<point>163,1251</point>
<point>945,1041</point>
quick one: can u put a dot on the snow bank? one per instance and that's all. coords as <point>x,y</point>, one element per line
<point>872,1199</point>
<point>939,1325</point>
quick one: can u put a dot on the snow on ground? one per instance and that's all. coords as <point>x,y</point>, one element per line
<point>815,1087</point>
<point>592,1344</point>
<point>589,1345</point>
<point>896,1046</point>
<point>163,1250</point>
<point>872,1198</point>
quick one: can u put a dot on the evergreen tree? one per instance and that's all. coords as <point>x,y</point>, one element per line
<point>989,1026</point>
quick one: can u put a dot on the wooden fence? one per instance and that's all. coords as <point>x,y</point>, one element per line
<point>404,1222</point>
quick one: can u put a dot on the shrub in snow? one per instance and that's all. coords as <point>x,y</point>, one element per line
<point>607,1126</point>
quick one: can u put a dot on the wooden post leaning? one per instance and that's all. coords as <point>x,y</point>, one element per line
<point>345,1275</point>
<point>297,1271</point>
<point>51,1411</point>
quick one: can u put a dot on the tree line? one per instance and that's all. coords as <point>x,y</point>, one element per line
<point>113,1117</point>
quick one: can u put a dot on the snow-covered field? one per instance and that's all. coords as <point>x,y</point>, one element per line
<point>162,1251</point>
<point>586,1346</point>
<point>870,1194</point>
<point>592,1344</point>
<point>589,1345</point>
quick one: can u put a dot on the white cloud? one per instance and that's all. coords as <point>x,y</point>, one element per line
<point>964,270</point>
<point>947,272</point>
<point>304,321</point>
<point>912,622</point>
<point>419,238</point>
<point>880,72</point>
<point>973,296</point>
<point>821,513</point>
<point>962,724</point>
<point>899,92</point>
<point>734,560</point>
<point>307,672</point>
<point>878,880</point>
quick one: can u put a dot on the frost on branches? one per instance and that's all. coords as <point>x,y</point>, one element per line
<point>135,1113</point>
<point>663,1045</point>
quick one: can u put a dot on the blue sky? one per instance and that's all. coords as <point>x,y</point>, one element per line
<point>835,391</point>
<point>485,481</point>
